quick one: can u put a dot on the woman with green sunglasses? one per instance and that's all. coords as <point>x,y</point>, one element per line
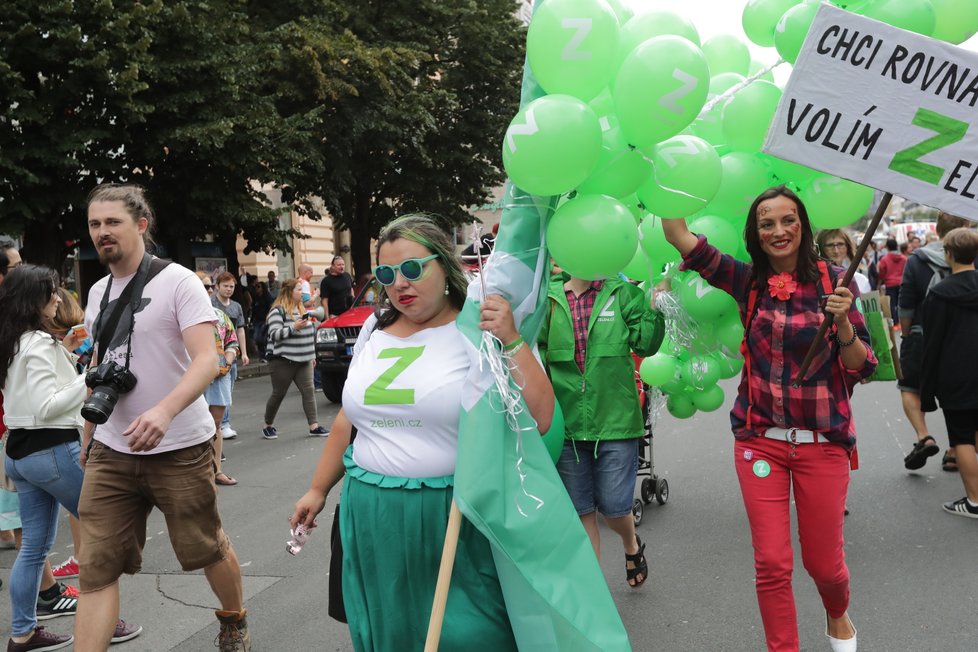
<point>403,395</point>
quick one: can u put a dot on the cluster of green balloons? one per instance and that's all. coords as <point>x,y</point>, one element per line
<point>785,23</point>
<point>688,374</point>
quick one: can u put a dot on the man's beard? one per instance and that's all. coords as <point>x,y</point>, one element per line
<point>111,257</point>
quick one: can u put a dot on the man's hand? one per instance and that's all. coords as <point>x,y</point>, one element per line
<point>146,432</point>
<point>244,359</point>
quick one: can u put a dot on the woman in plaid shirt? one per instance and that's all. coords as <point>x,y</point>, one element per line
<point>790,438</point>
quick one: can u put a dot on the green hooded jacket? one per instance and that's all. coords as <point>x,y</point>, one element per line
<point>602,402</point>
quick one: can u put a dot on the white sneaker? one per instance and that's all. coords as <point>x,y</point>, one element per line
<point>841,644</point>
<point>227,432</point>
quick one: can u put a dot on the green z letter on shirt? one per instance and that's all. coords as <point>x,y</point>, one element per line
<point>378,393</point>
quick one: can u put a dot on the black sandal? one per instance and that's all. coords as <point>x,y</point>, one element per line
<point>950,462</point>
<point>641,565</point>
<point>923,449</point>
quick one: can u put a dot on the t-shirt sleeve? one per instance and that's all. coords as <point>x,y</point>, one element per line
<point>365,331</point>
<point>190,301</point>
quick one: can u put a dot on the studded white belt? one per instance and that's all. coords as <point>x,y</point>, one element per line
<point>795,435</point>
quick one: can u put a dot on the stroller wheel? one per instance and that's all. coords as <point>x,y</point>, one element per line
<point>638,509</point>
<point>647,490</point>
<point>662,491</point>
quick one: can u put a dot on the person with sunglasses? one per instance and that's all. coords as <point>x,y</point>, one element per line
<point>291,354</point>
<point>404,396</point>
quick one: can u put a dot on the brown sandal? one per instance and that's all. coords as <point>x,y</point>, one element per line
<point>224,479</point>
<point>950,462</point>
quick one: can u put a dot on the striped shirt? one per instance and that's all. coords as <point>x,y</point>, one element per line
<point>295,345</point>
<point>780,334</point>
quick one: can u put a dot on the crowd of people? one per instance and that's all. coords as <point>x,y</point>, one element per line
<point>129,403</point>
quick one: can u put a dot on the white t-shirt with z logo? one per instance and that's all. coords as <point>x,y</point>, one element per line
<point>404,395</point>
<point>172,301</point>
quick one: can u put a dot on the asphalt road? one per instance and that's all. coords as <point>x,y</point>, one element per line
<point>914,568</point>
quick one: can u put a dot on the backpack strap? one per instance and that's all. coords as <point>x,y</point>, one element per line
<point>748,318</point>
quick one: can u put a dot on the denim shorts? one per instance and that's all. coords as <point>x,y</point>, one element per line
<point>605,482</point>
<point>219,391</point>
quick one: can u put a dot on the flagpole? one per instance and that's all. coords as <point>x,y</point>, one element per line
<point>846,279</point>
<point>444,579</point>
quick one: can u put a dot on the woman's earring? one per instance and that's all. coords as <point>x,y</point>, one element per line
<point>446,289</point>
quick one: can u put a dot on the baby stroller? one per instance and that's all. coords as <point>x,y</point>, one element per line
<point>652,486</point>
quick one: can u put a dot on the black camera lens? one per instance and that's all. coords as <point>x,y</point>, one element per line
<point>98,407</point>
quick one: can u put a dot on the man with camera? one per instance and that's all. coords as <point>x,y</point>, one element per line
<point>154,331</point>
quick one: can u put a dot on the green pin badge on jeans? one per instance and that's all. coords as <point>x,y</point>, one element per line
<point>762,469</point>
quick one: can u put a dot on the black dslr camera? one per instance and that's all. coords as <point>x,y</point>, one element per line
<point>107,381</point>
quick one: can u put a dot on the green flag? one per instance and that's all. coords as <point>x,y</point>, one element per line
<point>505,481</point>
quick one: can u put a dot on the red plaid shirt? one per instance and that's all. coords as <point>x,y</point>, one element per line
<point>580,309</point>
<point>779,337</point>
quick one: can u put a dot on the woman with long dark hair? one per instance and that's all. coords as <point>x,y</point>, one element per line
<point>790,439</point>
<point>43,393</point>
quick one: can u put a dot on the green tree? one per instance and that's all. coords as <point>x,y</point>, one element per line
<point>377,108</point>
<point>426,135</point>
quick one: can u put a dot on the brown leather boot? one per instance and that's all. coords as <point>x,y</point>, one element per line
<point>234,636</point>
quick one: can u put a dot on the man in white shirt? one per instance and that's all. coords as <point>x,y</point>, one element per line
<point>154,448</point>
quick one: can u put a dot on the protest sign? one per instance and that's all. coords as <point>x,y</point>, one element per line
<point>883,107</point>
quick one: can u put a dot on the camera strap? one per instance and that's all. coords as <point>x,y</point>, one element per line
<point>131,295</point>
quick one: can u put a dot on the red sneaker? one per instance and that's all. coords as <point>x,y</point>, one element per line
<point>66,571</point>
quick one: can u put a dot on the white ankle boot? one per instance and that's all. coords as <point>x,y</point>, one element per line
<point>841,644</point>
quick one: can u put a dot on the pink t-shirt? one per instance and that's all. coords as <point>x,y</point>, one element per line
<point>172,302</point>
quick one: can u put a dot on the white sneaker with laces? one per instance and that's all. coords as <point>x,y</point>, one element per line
<point>227,432</point>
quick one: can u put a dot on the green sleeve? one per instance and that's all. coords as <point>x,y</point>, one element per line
<point>645,326</point>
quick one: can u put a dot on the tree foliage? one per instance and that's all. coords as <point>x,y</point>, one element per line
<point>377,108</point>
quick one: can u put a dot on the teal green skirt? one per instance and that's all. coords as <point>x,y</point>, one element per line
<point>393,530</point>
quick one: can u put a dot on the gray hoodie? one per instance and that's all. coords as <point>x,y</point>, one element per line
<point>919,277</point>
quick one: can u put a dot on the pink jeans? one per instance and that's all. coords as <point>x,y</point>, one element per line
<point>768,471</point>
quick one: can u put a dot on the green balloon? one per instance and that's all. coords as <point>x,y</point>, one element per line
<point>702,301</point>
<point>571,46</point>
<point>726,53</point>
<point>744,177</point>
<point>708,125</point>
<point>787,172</point>
<point>719,232</point>
<point>761,17</point>
<point>956,21</point>
<point>620,170</point>
<point>658,369</point>
<point>592,236</point>
<point>623,10</point>
<point>729,366</point>
<point>912,15</point>
<point>680,406</point>
<point>748,114</point>
<point>700,372</point>
<point>640,268</point>
<point>756,67</point>
<point>704,338</point>
<point>554,438</point>
<point>708,399</point>
<point>649,24</point>
<point>635,207</point>
<point>685,175</point>
<point>730,332</point>
<point>833,203</point>
<point>552,145</point>
<point>792,30</point>
<point>653,240</point>
<point>660,88</point>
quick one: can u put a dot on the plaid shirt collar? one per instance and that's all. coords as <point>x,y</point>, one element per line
<point>581,308</point>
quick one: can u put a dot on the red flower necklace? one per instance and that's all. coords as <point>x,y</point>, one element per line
<point>781,286</point>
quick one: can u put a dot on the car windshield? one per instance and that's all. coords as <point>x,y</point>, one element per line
<point>370,295</point>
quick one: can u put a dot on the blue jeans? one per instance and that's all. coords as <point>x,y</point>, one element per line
<point>233,374</point>
<point>43,479</point>
<point>604,482</point>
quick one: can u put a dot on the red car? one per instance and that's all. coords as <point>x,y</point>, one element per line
<point>335,339</point>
